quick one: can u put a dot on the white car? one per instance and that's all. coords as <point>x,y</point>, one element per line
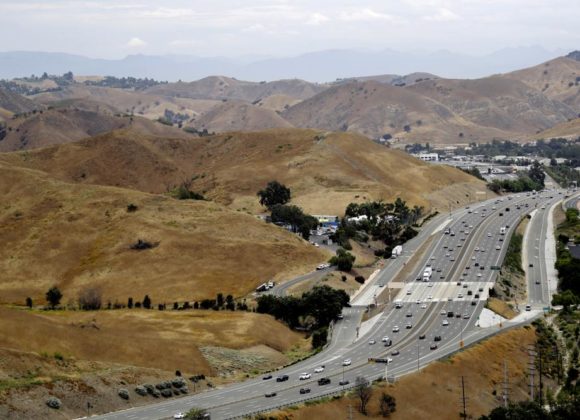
<point>476,248</point>
<point>319,369</point>
<point>430,297</point>
<point>460,295</point>
<point>418,301</point>
<point>346,362</point>
<point>385,339</point>
<point>395,329</point>
<point>445,323</point>
<point>304,376</point>
<point>424,306</point>
<point>443,312</point>
<point>372,341</point>
<point>488,235</point>
<point>179,416</point>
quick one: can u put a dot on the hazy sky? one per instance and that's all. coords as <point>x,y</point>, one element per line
<point>115,28</point>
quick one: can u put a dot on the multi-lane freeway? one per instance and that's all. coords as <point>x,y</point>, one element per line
<point>434,319</point>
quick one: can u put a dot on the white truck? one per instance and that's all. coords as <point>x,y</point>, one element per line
<point>398,250</point>
<point>502,230</point>
<point>427,273</point>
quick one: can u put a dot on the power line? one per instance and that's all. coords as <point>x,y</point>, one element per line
<point>532,369</point>
<point>505,385</point>
<point>463,400</point>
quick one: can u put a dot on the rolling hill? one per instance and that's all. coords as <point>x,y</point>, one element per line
<point>82,234</point>
<point>325,171</point>
<point>68,124</point>
<point>12,103</point>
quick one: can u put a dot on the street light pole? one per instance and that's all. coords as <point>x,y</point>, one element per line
<point>417,355</point>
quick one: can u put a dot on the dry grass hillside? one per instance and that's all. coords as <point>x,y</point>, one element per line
<point>88,356</point>
<point>220,87</point>
<point>238,116</point>
<point>65,125</point>
<point>569,129</point>
<point>558,79</point>
<point>81,234</point>
<point>12,103</point>
<point>435,392</point>
<point>325,171</point>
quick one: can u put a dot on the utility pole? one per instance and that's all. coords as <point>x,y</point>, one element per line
<point>541,384</point>
<point>505,385</point>
<point>463,398</point>
<point>417,355</point>
<point>350,411</point>
<point>532,368</point>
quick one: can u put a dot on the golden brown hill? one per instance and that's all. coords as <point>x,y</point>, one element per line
<point>239,115</point>
<point>497,103</point>
<point>65,125</point>
<point>325,171</point>
<point>220,87</point>
<point>73,235</point>
<point>558,79</point>
<point>569,129</point>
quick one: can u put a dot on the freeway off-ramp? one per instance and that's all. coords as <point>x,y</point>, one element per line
<point>449,257</point>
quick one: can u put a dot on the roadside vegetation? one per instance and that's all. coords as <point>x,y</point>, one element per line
<point>532,180</point>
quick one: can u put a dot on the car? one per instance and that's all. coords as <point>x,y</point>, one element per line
<point>473,302</point>
<point>409,315</point>
<point>450,314</point>
<point>409,326</point>
<point>271,394</point>
<point>304,376</point>
<point>433,346</point>
<point>346,362</point>
<point>265,378</point>
<point>537,281</point>
<point>305,390</point>
<point>395,353</point>
<point>323,381</point>
<point>469,292</point>
<point>497,247</point>
<point>481,289</point>
<point>372,341</point>
<point>418,301</point>
<point>424,306</point>
<point>450,299</point>
<point>443,312</point>
<point>528,307</point>
<point>430,297</point>
<point>323,266</point>
<point>457,315</point>
<point>501,239</point>
<point>473,258</point>
<point>460,295</point>
<point>476,248</point>
<point>179,416</point>
<point>459,282</point>
<point>530,265</point>
<point>465,285</point>
<point>282,378</point>
<point>395,329</point>
<point>422,337</point>
<point>452,259</point>
<point>437,338</point>
<point>488,235</point>
<point>479,274</point>
<point>385,339</point>
<point>448,254</point>
<point>445,323</point>
<point>388,343</point>
<point>476,264</point>
<point>344,382</point>
<point>468,267</point>
<point>319,369</point>
<point>409,291</point>
<point>465,316</point>
<point>482,267</point>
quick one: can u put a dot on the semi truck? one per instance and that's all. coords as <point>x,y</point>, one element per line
<point>398,250</point>
<point>427,273</point>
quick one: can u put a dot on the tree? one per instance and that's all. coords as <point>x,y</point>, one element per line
<point>90,298</point>
<point>387,404</point>
<point>343,260</point>
<point>319,338</point>
<point>274,193</point>
<point>147,302</point>
<point>324,303</point>
<point>29,302</point>
<point>295,217</point>
<point>130,303</point>
<point>364,392</point>
<point>523,410</point>
<point>536,173</point>
<point>566,299</point>
<point>220,300</point>
<point>53,296</point>
<point>196,414</point>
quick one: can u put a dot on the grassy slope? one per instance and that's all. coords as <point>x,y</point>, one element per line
<point>435,392</point>
<point>71,235</point>
<point>324,171</point>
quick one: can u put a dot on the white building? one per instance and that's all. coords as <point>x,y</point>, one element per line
<point>427,157</point>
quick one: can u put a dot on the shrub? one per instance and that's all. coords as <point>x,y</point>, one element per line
<point>178,382</point>
<point>360,279</point>
<point>90,298</point>
<point>184,390</point>
<point>167,393</point>
<point>123,393</point>
<point>159,386</point>
<point>54,402</point>
<point>141,245</point>
<point>131,208</point>
<point>150,388</point>
<point>141,390</point>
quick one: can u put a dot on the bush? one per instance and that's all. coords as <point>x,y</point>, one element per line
<point>360,279</point>
<point>167,393</point>
<point>123,393</point>
<point>54,402</point>
<point>131,208</point>
<point>141,245</point>
<point>141,390</point>
<point>184,390</point>
<point>150,388</point>
<point>178,382</point>
<point>90,298</point>
<point>319,338</point>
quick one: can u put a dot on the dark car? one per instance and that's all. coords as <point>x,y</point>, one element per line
<point>469,293</point>
<point>450,314</point>
<point>388,343</point>
<point>457,315</point>
<point>437,338</point>
<point>282,378</point>
<point>433,346</point>
<point>305,390</point>
<point>271,394</point>
<point>530,265</point>
<point>473,302</point>
<point>323,381</point>
<point>395,353</point>
<point>344,382</point>
<point>267,377</point>
<point>422,337</point>
<point>482,267</point>
<point>476,296</point>
<point>409,315</point>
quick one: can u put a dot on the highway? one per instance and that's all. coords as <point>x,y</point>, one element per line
<point>462,262</point>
